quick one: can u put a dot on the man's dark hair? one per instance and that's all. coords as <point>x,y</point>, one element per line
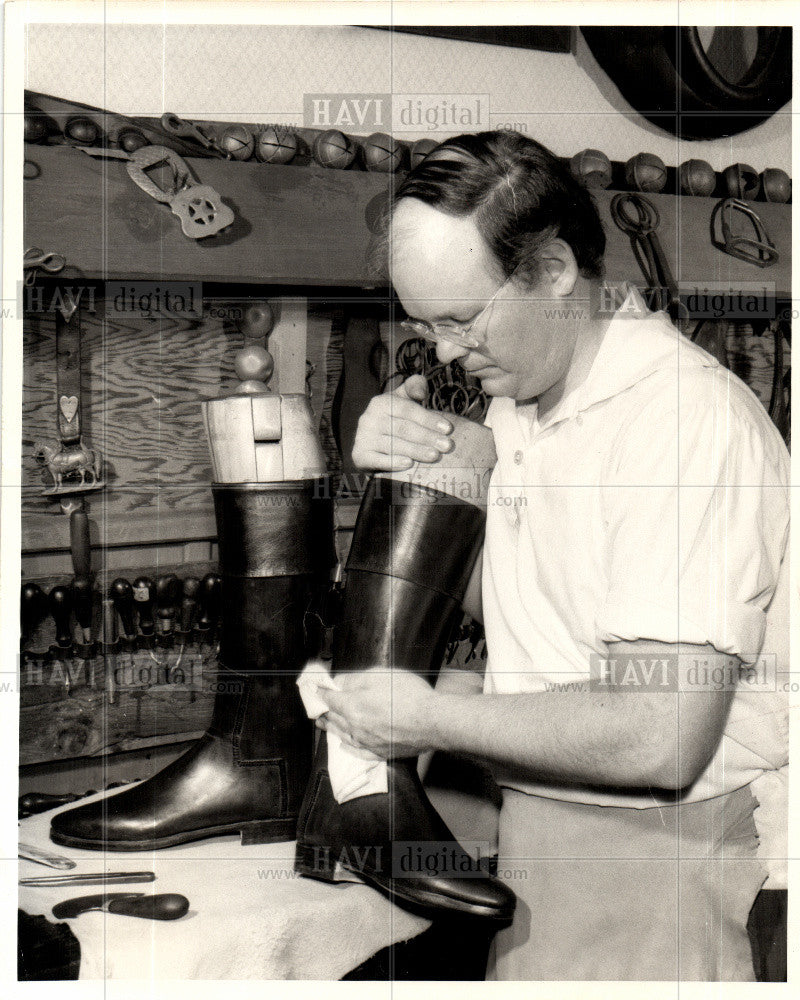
<point>521,194</point>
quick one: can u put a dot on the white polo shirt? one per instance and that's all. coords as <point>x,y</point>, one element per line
<point>650,503</point>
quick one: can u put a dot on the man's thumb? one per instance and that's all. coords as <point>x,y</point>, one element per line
<point>415,388</point>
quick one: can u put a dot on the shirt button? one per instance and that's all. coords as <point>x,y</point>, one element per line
<point>518,457</point>
<point>580,420</point>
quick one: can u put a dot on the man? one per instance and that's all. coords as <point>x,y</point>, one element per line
<point>634,584</point>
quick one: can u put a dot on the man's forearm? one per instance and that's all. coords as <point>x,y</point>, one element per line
<point>553,736</point>
<point>625,738</point>
<point>575,737</point>
<point>610,736</point>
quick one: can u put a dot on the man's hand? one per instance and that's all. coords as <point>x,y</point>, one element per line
<point>387,711</point>
<point>395,430</point>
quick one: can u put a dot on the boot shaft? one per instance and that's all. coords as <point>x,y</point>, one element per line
<point>275,555</point>
<point>410,561</point>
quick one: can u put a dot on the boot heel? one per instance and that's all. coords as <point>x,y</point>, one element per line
<point>315,862</point>
<point>268,831</point>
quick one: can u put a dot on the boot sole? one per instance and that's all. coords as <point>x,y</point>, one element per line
<point>308,863</point>
<point>266,831</point>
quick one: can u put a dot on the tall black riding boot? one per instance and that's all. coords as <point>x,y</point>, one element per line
<point>412,553</point>
<point>248,772</point>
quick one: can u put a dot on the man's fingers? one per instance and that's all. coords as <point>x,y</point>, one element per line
<point>395,430</point>
<point>381,462</point>
<point>332,698</point>
<point>397,449</point>
<point>412,432</point>
<point>402,408</point>
<point>329,726</point>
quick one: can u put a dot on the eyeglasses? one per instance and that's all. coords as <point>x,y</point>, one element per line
<point>460,334</point>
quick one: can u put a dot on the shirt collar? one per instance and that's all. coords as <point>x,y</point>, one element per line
<point>636,344</point>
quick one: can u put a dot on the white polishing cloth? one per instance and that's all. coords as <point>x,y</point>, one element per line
<point>353,772</point>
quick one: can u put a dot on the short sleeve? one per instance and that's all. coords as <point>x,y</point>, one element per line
<point>695,514</point>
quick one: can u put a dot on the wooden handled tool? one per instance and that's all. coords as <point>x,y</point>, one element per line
<point>210,599</point>
<point>189,609</point>
<point>168,598</point>
<point>89,878</point>
<point>32,803</point>
<point>121,593</point>
<point>162,906</point>
<point>31,853</point>
<point>60,600</point>
<point>61,610</point>
<point>143,597</point>
<point>33,610</point>
<point>110,648</point>
<point>83,603</point>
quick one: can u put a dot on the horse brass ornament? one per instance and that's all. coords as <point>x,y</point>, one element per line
<point>199,207</point>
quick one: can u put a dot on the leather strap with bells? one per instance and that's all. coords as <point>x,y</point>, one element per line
<point>199,207</point>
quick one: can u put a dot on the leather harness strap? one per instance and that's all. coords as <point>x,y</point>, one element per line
<point>68,376</point>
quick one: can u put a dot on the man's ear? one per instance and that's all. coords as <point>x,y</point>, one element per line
<point>558,265</point>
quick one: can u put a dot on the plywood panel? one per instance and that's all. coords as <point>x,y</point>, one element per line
<point>143,382</point>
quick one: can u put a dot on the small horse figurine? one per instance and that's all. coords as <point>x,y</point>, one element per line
<point>68,463</point>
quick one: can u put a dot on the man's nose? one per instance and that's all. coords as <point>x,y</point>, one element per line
<point>447,351</point>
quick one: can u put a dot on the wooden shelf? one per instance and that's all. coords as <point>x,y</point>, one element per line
<point>307,226</point>
<point>294,225</point>
<point>685,234</point>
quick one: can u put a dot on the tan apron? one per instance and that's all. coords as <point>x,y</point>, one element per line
<point>607,893</point>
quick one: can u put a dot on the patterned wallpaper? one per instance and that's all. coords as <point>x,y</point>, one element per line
<point>260,74</point>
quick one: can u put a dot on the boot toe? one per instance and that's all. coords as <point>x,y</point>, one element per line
<point>116,822</point>
<point>481,893</point>
<point>83,823</point>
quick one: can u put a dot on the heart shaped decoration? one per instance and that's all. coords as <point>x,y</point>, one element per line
<point>69,407</point>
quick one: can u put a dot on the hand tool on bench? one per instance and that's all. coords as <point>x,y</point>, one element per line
<point>83,603</point>
<point>185,634</point>
<point>162,906</point>
<point>168,597</point>
<point>60,600</point>
<point>209,597</point>
<point>88,878</point>
<point>33,610</point>
<point>32,803</point>
<point>30,853</point>
<point>143,598</point>
<point>189,610</point>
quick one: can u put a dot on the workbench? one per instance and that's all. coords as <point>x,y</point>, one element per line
<point>250,916</point>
